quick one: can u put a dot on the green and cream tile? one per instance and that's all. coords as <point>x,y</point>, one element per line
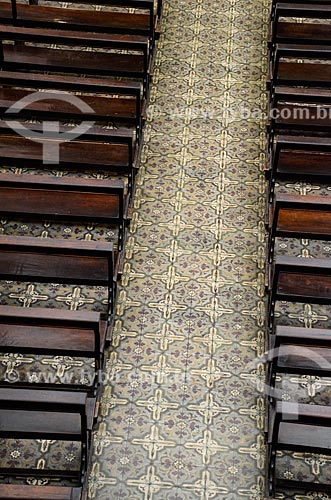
<point>180,417</point>
<point>191,310</point>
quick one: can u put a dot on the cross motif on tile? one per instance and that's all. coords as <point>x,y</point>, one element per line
<point>62,364</point>
<point>216,280</point>
<point>149,484</point>
<point>256,412</point>
<point>213,341</point>
<point>308,316</point>
<point>214,310</point>
<point>154,442</point>
<point>161,370</point>
<point>205,488</point>
<point>218,229</point>
<point>176,225</point>
<point>311,383</point>
<point>129,274</point>
<point>258,313</point>
<point>174,251</point>
<point>29,296</point>
<point>103,438</point>
<point>132,246</point>
<point>165,337</point>
<point>209,409</point>
<point>45,444</point>
<point>170,279</point>
<point>167,306</point>
<point>217,254</point>
<point>123,302</point>
<point>211,373</point>
<point>115,366</point>
<point>157,404</point>
<point>97,480</point>
<point>109,401</point>
<point>256,451</point>
<point>12,361</point>
<point>75,299</point>
<point>207,447</point>
<point>120,333</point>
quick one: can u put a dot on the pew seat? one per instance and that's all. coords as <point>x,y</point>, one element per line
<point>137,23</point>
<point>39,414</point>
<point>33,49</point>
<point>295,216</point>
<point>30,492</point>
<point>284,29</point>
<point>297,279</point>
<point>300,111</point>
<point>300,65</point>
<point>68,262</point>
<point>299,157</point>
<point>55,332</point>
<point>300,428</point>
<point>297,350</point>
<point>35,197</point>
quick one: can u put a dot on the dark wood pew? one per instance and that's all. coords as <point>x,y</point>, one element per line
<point>126,55</point>
<point>34,197</point>
<point>40,414</point>
<point>29,492</point>
<point>138,23</point>
<point>295,216</point>
<point>296,279</point>
<point>54,332</point>
<point>302,351</point>
<point>300,110</point>
<point>286,30</point>
<point>60,261</point>
<point>22,151</point>
<point>114,101</point>
<point>301,65</point>
<point>298,157</point>
<point>117,102</point>
<point>300,428</point>
<point>153,7</point>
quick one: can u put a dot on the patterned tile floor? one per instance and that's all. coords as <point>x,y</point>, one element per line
<point>181,418</point>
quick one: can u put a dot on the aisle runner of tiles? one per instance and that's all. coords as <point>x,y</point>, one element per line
<point>181,418</point>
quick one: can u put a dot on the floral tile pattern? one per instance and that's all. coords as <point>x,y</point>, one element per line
<point>181,416</point>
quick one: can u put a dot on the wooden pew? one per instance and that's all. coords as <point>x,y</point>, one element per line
<point>296,279</point>
<point>52,415</point>
<point>29,492</point>
<point>154,8</point>
<point>139,23</point>
<point>295,216</point>
<point>299,157</point>
<point>302,351</point>
<point>34,197</point>
<point>300,428</point>
<point>300,110</point>
<point>285,31</point>
<point>90,263</point>
<point>130,55</point>
<point>115,150</point>
<point>20,151</point>
<point>119,102</point>
<point>301,65</point>
<point>113,101</point>
<point>54,332</point>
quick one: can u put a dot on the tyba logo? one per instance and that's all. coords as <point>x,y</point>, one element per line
<point>50,136</point>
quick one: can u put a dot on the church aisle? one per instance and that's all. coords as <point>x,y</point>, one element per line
<point>181,418</point>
